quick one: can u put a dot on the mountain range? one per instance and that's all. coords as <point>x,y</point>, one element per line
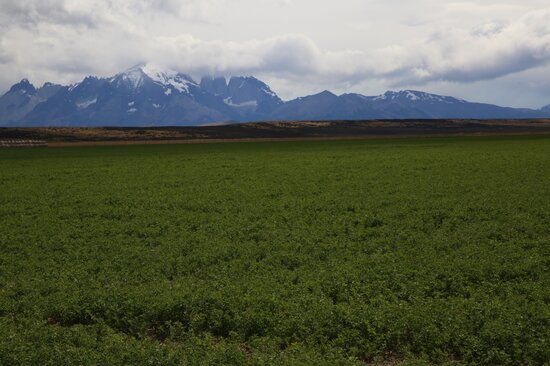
<point>147,96</point>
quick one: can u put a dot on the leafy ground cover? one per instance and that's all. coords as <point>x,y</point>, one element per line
<point>408,251</point>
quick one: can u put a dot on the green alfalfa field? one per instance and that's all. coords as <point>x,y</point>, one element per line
<point>427,251</point>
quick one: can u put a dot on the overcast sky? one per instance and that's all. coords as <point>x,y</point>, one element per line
<point>480,50</point>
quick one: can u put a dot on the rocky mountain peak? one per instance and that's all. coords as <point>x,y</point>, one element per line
<point>215,85</point>
<point>24,87</point>
<point>242,89</point>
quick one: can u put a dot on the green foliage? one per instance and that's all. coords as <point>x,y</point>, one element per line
<point>409,251</point>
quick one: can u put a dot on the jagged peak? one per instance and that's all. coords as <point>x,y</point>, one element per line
<point>162,75</point>
<point>167,78</point>
<point>243,80</point>
<point>216,85</point>
<point>155,72</point>
<point>239,82</point>
<point>133,76</point>
<point>136,68</point>
<point>23,86</point>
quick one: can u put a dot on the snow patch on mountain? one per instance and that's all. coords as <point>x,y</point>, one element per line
<point>134,77</point>
<point>268,91</point>
<point>169,78</point>
<point>73,86</point>
<point>416,96</point>
<point>86,103</point>
<point>247,104</point>
<point>411,96</point>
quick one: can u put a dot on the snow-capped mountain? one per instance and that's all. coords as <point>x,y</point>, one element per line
<point>146,95</point>
<point>141,95</point>
<point>406,104</point>
<point>546,108</point>
<point>171,81</point>
<point>416,96</point>
<point>417,104</point>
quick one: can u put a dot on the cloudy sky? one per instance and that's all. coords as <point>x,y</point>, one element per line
<point>481,50</point>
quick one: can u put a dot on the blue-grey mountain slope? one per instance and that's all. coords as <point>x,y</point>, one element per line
<point>425,105</point>
<point>139,96</point>
<point>148,96</point>
<point>249,97</point>
<point>22,98</point>
<point>406,104</point>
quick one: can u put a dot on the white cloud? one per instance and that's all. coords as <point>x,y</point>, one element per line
<point>490,51</point>
<point>64,40</point>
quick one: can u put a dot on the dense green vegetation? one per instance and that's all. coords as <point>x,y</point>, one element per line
<point>421,251</point>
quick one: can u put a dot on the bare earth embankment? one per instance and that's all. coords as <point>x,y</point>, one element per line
<point>68,136</point>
